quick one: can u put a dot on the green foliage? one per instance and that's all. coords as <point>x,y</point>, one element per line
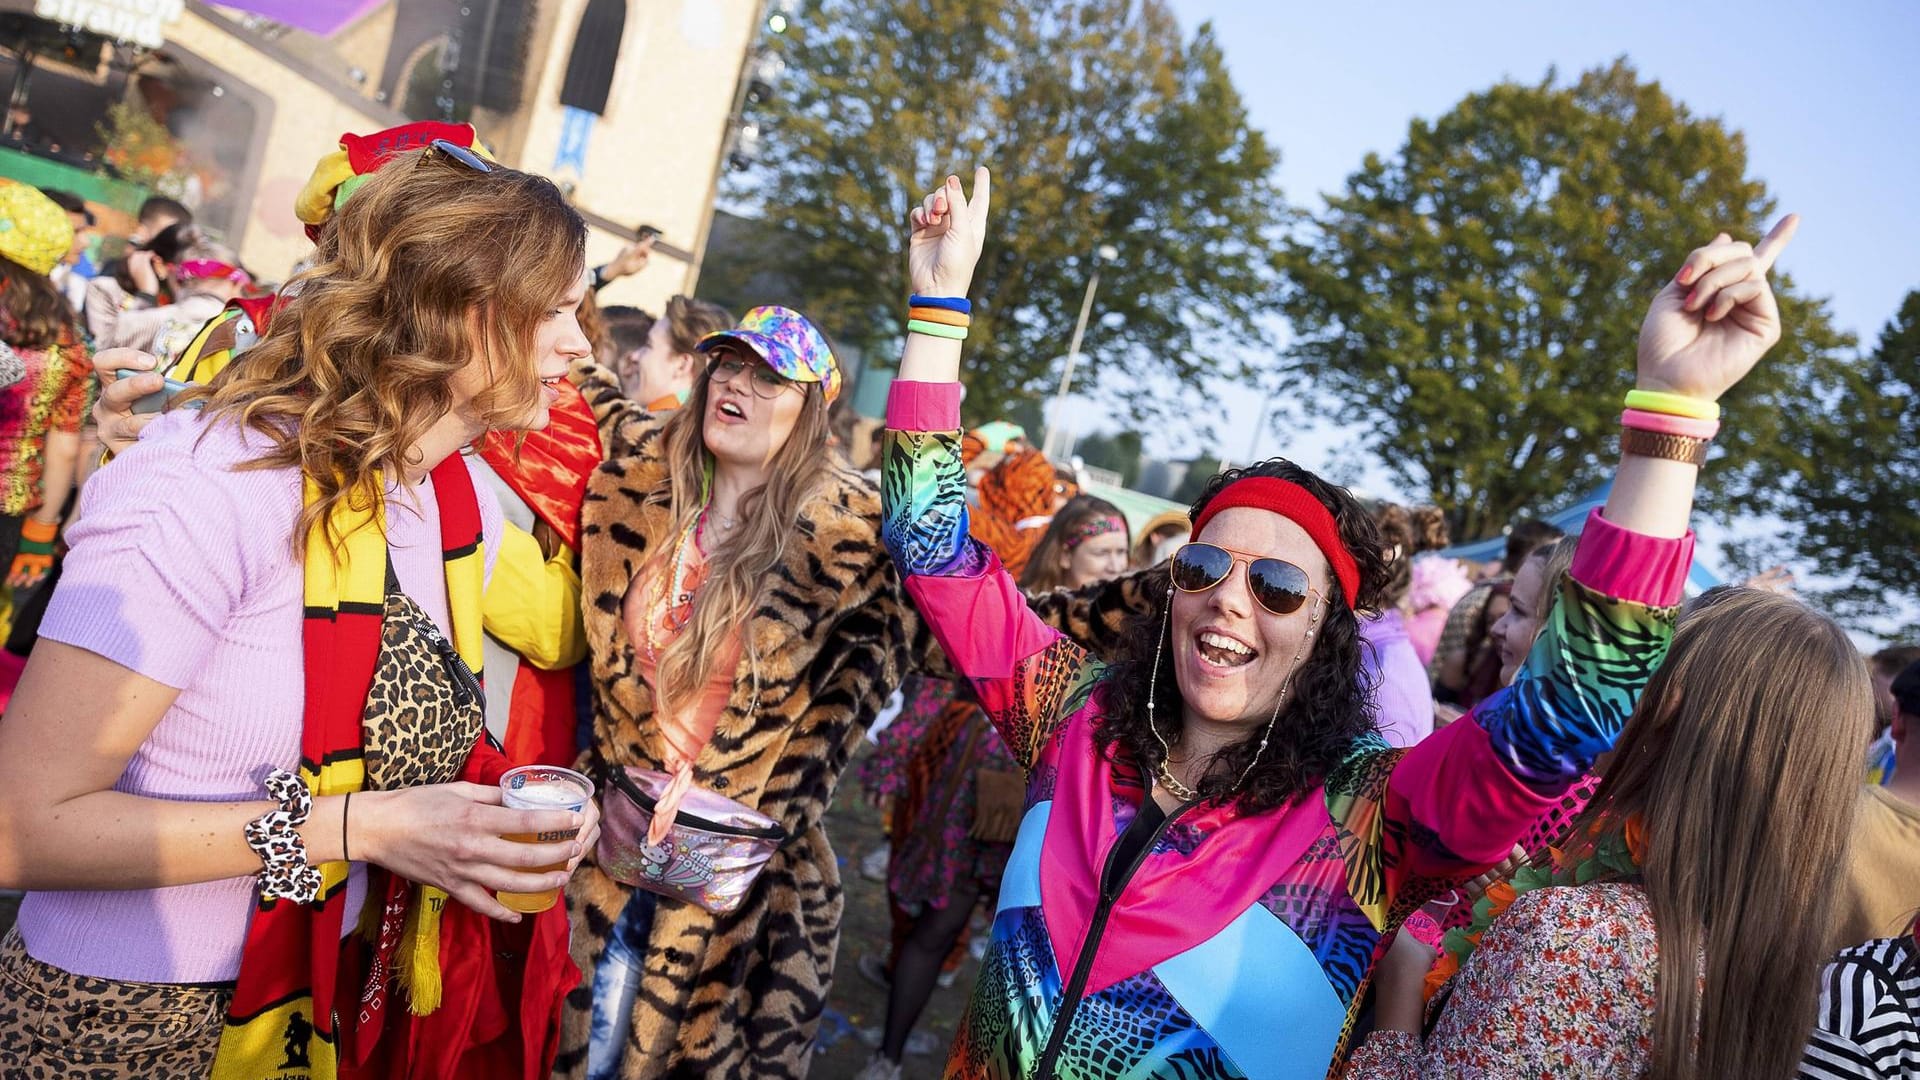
<point>1847,484</point>
<point>1474,301</point>
<point>1102,126</point>
<point>1199,471</point>
<point>141,149</point>
<point>1118,451</point>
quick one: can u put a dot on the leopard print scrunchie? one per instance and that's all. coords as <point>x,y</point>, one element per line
<point>286,874</point>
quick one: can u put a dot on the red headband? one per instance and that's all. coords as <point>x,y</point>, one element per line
<point>1296,504</point>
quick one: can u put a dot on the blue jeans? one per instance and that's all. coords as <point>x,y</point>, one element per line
<point>616,982</point>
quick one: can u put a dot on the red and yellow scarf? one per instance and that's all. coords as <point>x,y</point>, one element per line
<point>281,1022</point>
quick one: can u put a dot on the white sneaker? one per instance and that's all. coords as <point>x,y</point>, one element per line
<point>879,1068</point>
<point>875,970</point>
<point>919,1043</point>
<point>873,866</point>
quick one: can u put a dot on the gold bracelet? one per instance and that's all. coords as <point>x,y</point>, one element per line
<point>1659,444</point>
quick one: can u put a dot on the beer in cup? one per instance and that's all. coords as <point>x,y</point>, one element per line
<point>541,787</point>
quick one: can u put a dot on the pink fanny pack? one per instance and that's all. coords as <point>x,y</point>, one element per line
<point>711,855</point>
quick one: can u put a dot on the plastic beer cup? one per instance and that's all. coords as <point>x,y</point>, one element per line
<point>541,787</point>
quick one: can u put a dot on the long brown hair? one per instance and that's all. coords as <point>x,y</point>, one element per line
<point>769,522</point>
<point>1742,762</point>
<point>33,314</point>
<point>1043,571</point>
<point>427,267</point>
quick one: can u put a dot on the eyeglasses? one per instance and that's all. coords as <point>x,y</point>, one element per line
<point>766,382</point>
<point>1277,585</point>
<point>457,153</point>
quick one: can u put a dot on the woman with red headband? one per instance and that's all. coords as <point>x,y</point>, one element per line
<point>1217,843</point>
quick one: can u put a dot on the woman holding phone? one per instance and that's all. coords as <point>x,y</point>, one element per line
<point>274,604</point>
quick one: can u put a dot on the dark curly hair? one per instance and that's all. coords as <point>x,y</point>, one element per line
<point>1329,707</point>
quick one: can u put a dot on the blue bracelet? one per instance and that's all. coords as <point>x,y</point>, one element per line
<point>944,303</point>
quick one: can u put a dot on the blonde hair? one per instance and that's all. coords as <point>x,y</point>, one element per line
<point>1742,762</point>
<point>429,266</point>
<point>769,522</point>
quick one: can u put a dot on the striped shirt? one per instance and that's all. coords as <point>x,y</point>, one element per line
<point>1869,1014</point>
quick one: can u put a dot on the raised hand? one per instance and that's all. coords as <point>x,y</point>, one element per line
<point>1715,319</point>
<point>948,232</point>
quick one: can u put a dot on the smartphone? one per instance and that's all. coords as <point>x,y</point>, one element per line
<point>646,233</point>
<point>156,401</point>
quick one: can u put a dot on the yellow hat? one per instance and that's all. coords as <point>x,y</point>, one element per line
<point>34,231</point>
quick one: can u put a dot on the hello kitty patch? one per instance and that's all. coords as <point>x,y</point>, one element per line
<point>675,865</point>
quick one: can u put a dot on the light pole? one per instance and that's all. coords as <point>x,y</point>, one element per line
<point>1103,253</point>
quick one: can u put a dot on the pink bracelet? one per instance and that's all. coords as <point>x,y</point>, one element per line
<point>1668,424</point>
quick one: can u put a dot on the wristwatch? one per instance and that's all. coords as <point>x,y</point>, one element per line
<point>1659,444</point>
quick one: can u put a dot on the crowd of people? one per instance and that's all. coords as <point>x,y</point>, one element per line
<point>301,577</point>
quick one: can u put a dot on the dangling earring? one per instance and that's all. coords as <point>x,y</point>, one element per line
<point>1285,686</point>
<point>1161,772</point>
<point>1153,685</point>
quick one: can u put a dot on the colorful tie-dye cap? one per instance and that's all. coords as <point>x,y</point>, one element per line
<point>788,343</point>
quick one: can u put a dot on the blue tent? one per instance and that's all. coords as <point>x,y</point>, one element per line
<point>1571,520</point>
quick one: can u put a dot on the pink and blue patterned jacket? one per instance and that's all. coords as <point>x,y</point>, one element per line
<point>1239,945</point>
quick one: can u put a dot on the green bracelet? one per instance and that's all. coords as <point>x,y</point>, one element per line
<point>934,329</point>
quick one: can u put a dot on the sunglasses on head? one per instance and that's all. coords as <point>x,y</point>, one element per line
<point>457,153</point>
<point>1276,584</point>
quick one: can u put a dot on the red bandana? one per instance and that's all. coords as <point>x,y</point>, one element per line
<point>1296,504</point>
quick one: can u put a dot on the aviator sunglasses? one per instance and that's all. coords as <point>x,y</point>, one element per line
<point>458,154</point>
<point>1277,585</point>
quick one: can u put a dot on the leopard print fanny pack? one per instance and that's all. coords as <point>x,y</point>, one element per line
<point>426,709</point>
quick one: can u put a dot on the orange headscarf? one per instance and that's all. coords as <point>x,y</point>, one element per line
<point>1020,491</point>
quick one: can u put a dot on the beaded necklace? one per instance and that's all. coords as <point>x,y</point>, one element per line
<point>676,595</point>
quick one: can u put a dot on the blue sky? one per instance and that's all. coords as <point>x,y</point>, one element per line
<point>1826,94</point>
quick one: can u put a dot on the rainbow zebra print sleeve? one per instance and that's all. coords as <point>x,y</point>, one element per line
<point>1021,668</point>
<point>923,493</point>
<point>1606,633</point>
<point>923,485</point>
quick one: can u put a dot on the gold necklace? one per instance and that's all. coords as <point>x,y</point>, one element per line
<point>1172,783</point>
<point>1160,772</point>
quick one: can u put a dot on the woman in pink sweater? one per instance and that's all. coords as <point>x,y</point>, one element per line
<point>253,723</point>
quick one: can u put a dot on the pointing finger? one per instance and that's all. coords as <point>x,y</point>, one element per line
<point>1776,241</point>
<point>982,200</point>
<point>955,202</point>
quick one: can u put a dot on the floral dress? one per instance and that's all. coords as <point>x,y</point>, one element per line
<point>883,773</point>
<point>936,847</point>
<point>1561,986</point>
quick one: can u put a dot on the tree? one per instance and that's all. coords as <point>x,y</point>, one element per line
<point>1199,471</point>
<point>1473,302</point>
<point>1847,488</point>
<point>1117,451</point>
<point>1102,126</point>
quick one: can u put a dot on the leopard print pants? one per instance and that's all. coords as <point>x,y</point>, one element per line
<point>55,1025</point>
